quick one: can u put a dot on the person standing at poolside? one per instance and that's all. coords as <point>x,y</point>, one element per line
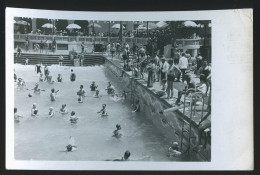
<point>151,70</point>
<point>164,68</point>
<point>183,65</point>
<point>170,79</point>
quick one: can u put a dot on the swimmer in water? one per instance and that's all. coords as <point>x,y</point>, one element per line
<point>48,78</point>
<point>73,118</point>
<point>110,89</point>
<point>81,93</point>
<point>51,113</point>
<point>41,78</point>
<point>125,158</point>
<point>93,86</point>
<point>71,146</point>
<point>63,109</point>
<point>116,132</point>
<point>36,89</point>
<point>124,95</point>
<point>16,116</point>
<point>174,150</point>
<point>59,78</point>
<point>97,94</point>
<point>15,77</point>
<point>136,106</point>
<point>34,110</point>
<point>72,75</point>
<point>20,83</point>
<point>103,111</point>
<point>53,94</point>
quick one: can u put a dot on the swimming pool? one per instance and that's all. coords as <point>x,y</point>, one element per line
<point>45,139</point>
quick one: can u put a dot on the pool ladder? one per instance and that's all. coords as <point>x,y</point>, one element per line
<point>190,98</point>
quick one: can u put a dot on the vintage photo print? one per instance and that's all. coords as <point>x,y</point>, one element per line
<point>128,90</point>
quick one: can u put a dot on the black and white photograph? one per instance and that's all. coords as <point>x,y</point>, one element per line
<point>93,90</point>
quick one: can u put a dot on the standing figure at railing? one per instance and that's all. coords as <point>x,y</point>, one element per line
<point>113,49</point>
<point>118,47</point>
<point>82,47</point>
<point>27,44</point>
<point>41,46</point>
<point>54,45</point>
<point>46,46</point>
<point>108,49</point>
<point>19,52</point>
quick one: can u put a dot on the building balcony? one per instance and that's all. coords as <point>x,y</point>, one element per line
<point>66,39</point>
<point>192,43</point>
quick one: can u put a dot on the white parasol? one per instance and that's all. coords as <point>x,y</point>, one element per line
<point>117,26</point>
<point>22,23</point>
<point>48,26</point>
<point>73,26</point>
<point>189,24</point>
<point>95,25</point>
<point>161,24</point>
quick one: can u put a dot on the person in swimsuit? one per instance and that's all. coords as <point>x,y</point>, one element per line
<point>73,118</point>
<point>41,78</point>
<point>59,78</point>
<point>72,75</point>
<point>136,106</point>
<point>71,146</point>
<point>63,109</point>
<point>103,111</point>
<point>110,89</point>
<point>38,68</point>
<point>36,89</point>
<point>53,94</point>
<point>34,110</point>
<point>20,83</point>
<point>81,93</point>
<point>174,150</point>
<point>97,94</point>
<point>16,116</point>
<point>116,133</point>
<point>93,86</point>
<point>125,158</point>
<point>46,70</point>
<point>48,78</point>
<point>51,113</point>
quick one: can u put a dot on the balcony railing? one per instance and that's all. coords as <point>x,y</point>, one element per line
<point>197,42</point>
<point>179,42</point>
<point>18,37</point>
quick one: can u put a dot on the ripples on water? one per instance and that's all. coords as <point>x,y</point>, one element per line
<point>44,138</point>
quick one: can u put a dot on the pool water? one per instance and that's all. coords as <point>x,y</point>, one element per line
<point>45,138</point>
